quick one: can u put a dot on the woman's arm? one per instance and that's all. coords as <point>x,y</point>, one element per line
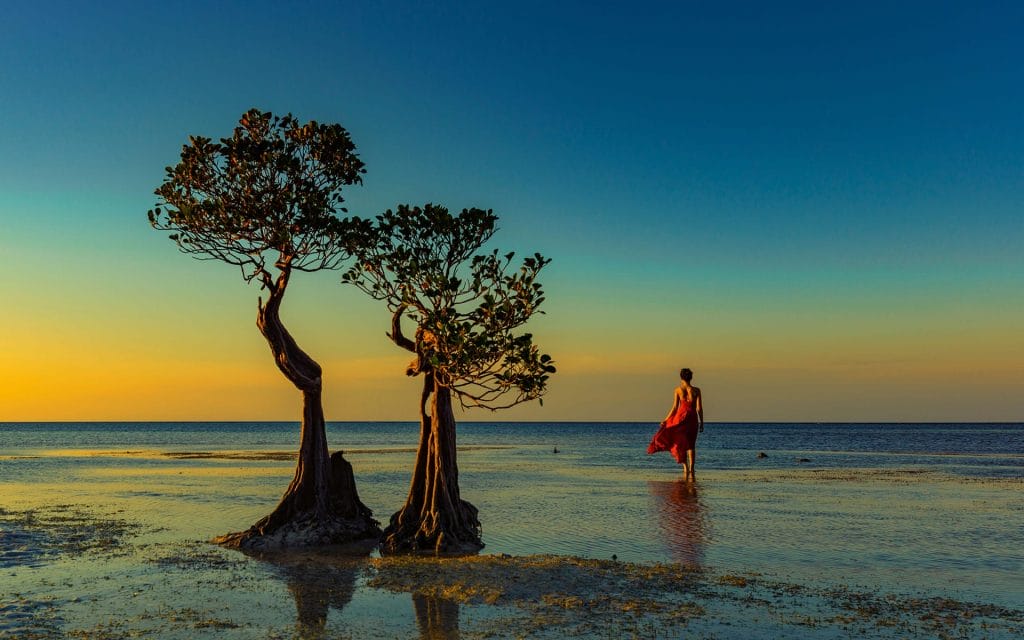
<point>700,411</point>
<point>675,405</point>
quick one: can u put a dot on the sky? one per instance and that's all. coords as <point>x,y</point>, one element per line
<point>815,206</point>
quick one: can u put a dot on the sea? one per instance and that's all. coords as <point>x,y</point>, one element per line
<point>935,510</point>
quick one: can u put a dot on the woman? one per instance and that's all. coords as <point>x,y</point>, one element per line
<point>678,432</point>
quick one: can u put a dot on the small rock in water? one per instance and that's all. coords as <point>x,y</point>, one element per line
<point>762,454</point>
<point>615,557</point>
<point>803,459</point>
<point>555,450</point>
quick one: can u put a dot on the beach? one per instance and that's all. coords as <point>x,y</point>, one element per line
<point>597,540</point>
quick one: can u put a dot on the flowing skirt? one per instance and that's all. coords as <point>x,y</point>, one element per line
<point>678,435</point>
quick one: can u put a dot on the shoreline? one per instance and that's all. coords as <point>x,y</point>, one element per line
<point>134,581</point>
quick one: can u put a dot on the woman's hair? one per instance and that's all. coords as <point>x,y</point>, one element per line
<point>686,374</point>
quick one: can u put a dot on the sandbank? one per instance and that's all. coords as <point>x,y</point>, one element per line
<point>74,571</point>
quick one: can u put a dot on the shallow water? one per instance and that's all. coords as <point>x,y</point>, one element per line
<point>931,510</point>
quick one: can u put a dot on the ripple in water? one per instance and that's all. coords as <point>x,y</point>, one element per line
<point>681,518</point>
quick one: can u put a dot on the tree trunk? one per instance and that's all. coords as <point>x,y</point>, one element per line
<point>435,518</point>
<point>321,505</point>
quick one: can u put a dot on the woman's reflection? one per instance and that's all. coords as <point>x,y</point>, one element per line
<point>681,519</point>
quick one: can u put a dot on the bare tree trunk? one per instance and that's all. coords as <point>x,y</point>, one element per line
<point>321,505</point>
<point>435,517</point>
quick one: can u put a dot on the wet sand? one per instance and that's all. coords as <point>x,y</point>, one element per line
<point>124,556</point>
<point>112,578</point>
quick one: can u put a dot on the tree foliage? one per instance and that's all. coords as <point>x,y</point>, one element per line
<point>269,193</point>
<point>427,265</point>
<point>267,198</point>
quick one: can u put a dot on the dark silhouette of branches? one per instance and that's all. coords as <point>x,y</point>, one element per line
<point>266,196</point>
<point>426,265</point>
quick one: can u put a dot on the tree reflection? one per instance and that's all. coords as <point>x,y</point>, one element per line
<point>681,519</point>
<point>437,618</point>
<point>318,583</point>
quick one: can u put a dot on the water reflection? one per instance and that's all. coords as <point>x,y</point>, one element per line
<point>437,618</point>
<point>681,519</point>
<point>318,583</point>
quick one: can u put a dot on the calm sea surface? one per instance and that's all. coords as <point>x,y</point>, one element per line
<point>971,449</point>
<point>912,508</point>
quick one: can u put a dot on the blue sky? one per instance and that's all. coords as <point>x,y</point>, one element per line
<point>737,183</point>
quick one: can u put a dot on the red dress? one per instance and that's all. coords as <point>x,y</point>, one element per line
<point>678,434</point>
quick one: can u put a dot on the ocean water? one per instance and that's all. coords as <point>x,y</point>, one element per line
<point>929,509</point>
<point>987,450</point>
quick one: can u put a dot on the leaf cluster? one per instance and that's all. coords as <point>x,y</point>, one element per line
<point>428,266</point>
<point>270,192</point>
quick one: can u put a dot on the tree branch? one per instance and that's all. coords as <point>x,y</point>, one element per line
<point>396,331</point>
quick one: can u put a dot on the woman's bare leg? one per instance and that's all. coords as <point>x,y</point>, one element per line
<point>691,459</point>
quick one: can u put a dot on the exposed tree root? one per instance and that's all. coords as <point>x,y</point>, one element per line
<point>435,518</point>
<point>448,533</point>
<point>300,520</point>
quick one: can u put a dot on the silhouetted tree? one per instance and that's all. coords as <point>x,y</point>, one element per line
<point>426,265</point>
<point>266,200</point>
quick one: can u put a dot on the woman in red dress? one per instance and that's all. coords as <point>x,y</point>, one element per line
<point>678,432</point>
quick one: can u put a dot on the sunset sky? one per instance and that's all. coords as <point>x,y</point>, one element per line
<point>818,207</point>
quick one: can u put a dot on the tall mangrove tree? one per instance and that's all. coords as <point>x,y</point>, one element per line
<point>266,200</point>
<point>467,305</point>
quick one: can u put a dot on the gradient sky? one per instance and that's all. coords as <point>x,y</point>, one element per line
<point>815,206</point>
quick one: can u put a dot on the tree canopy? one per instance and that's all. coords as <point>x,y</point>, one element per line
<point>427,265</point>
<point>270,192</point>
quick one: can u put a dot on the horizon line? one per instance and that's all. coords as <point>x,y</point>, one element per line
<point>718,422</point>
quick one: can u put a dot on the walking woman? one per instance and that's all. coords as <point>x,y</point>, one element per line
<point>678,432</point>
